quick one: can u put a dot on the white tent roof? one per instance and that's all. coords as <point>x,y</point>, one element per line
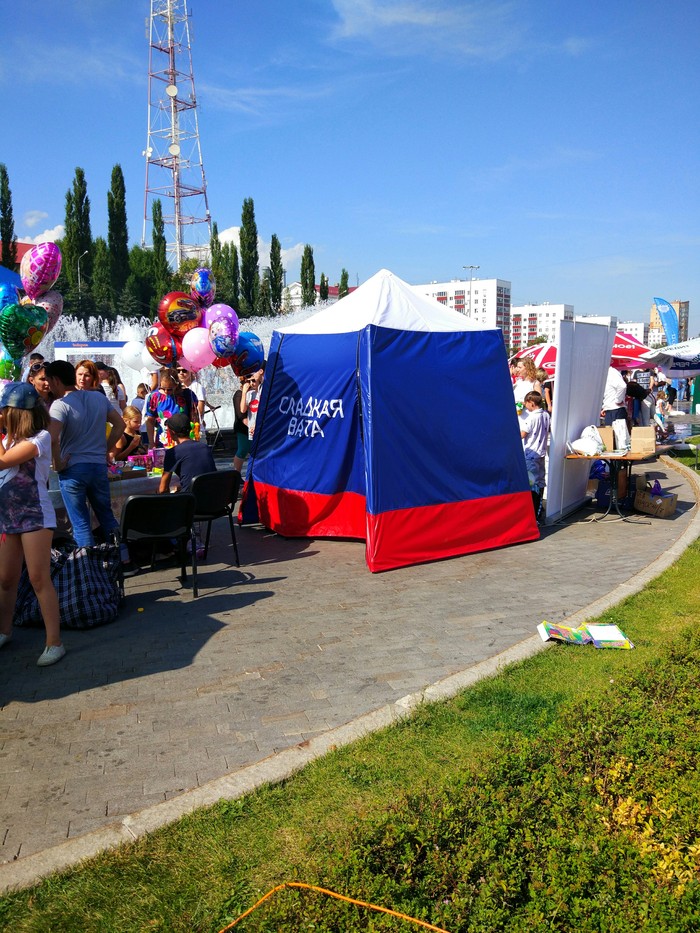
<point>387,301</point>
<point>678,359</point>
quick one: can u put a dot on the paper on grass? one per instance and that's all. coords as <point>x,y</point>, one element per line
<point>600,636</point>
<point>608,636</point>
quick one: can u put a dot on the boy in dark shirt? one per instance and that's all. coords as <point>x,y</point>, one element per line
<point>187,458</point>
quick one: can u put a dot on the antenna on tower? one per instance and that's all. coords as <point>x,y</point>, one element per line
<point>174,167</point>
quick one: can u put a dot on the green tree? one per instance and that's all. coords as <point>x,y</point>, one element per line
<point>264,308</point>
<point>101,280</point>
<point>77,242</point>
<point>161,270</point>
<point>144,286</point>
<point>323,288</point>
<point>343,287</point>
<point>276,274</point>
<point>308,277</point>
<point>249,275</point>
<point>181,279</point>
<point>129,302</point>
<point>117,232</point>
<point>215,251</point>
<point>223,272</point>
<point>8,242</point>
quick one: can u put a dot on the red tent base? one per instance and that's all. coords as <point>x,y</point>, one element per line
<point>426,533</point>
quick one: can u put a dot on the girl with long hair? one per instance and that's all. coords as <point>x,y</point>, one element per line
<point>27,517</point>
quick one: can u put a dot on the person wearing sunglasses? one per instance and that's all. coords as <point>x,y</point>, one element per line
<point>37,377</point>
<point>186,379</point>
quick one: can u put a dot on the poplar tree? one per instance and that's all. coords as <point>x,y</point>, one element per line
<point>343,287</point>
<point>141,268</point>
<point>308,277</point>
<point>215,251</point>
<point>101,280</point>
<point>276,274</point>
<point>77,242</point>
<point>249,276</point>
<point>264,308</point>
<point>8,242</point>
<point>117,232</point>
<point>323,287</point>
<point>161,269</point>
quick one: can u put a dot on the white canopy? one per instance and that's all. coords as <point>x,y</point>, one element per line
<point>678,360</point>
<point>387,301</point>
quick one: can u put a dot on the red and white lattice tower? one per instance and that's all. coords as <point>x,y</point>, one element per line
<point>174,167</point>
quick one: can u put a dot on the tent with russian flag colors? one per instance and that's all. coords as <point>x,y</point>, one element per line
<point>390,418</point>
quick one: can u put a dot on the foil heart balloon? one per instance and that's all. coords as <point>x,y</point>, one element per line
<point>52,303</point>
<point>39,269</point>
<point>22,328</point>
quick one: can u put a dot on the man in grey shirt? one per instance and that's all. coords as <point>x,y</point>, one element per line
<point>79,450</point>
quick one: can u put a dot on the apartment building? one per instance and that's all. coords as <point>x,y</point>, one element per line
<point>528,322</point>
<point>483,301</point>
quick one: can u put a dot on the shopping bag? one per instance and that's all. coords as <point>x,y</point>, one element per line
<point>89,585</point>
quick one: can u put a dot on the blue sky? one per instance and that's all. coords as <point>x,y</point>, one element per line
<point>552,144</point>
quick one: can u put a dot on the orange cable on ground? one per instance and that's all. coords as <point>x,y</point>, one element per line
<point>340,897</point>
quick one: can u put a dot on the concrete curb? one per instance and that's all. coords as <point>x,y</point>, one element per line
<point>27,871</point>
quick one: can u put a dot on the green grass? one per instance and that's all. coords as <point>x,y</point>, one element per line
<point>524,803</point>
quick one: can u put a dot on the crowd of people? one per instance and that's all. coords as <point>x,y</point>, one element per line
<point>76,420</point>
<point>641,397</point>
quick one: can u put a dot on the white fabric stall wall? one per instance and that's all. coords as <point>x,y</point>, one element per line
<point>583,360</point>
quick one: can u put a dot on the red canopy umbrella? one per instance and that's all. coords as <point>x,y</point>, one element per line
<point>543,355</point>
<point>627,352</point>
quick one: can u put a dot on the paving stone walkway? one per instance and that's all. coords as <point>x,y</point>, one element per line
<point>147,716</point>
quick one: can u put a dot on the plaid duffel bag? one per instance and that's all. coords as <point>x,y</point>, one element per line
<point>89,585</point>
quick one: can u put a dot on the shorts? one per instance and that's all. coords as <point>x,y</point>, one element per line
<point>243,448</point>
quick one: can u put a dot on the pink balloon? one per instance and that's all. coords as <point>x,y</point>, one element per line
<point>52,303</point>
<point>219,312</point>
<point>196,349</point>
<point>39,269</point>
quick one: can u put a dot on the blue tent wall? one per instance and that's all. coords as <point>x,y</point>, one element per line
<point>445,468</point>
<point>307,462</point>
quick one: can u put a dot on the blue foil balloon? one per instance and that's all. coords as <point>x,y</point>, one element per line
<point>249,354</point>
<point>8,294</point>
<point>203,287</point>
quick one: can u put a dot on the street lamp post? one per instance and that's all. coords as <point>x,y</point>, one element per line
<point>471,277</point>
<point>79,258</point>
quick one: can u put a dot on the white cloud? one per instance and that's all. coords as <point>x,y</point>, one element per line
<point>475,29</point>
<point>49,236</point>
<point>404,27</point>
<point>99,61</point>
<point>290,256</point>
<point>260,101</point>
<point>32,218</point>
<point>516,167</point>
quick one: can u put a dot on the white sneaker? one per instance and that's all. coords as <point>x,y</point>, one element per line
<point>50,655</point>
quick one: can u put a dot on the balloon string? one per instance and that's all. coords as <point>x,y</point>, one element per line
<point>340,897</point>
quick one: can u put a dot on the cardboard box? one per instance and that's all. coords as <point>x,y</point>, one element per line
<point>661,506</point>
<point>608,437</point>
<point>644,440</point>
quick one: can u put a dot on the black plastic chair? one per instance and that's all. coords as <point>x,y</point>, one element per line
<point>215,495</point>
<point>157,518</point>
